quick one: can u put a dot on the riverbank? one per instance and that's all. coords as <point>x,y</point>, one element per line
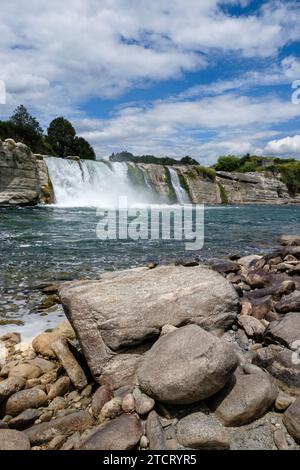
<point>194,356</point>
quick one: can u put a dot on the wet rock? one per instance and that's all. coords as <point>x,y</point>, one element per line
<point>186,366</point>
<point>121,433</point>
<point>244,399</point>
<point>13,338</point>
<point>10,386</point>
<point>13,440</point>
<point>291,240</point>
<point>128,403</point>
<point>251,325</point>
<point>66,425</point>
<point>143,403</point>
<point>224,266</point>
<point>111,409</point>
<point>21,401</point>
<point>102,395</point>
<point>69,363</point>
<point>201,431</point>
<point>291,419</point>
<point>176,295</point>
<point>59,388</point>
<point>49,301</point>
<point>26,371</point>
<point>249,261</point>
<point>155,432</point>
<point>285,331</point>
<point>24,419</point>
<point>289,303</point>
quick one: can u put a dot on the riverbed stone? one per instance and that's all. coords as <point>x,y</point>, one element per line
<point>291,240</point>
<point>143,403</point>
<point>27,371</point>
<point>25,419</point>
<point>186,366</point>
<point>121,433</point>
<point>285,331</point>
<point>66,425</point>
<point>291,419</point>
<point>102,395</point>
<point>10,386</point>
<point>59,388</point>
<point>251,325</point>
<point>155,432</point>
<point>20,401</point>
<point>244,399</point>
<point>69,363</point>
<point>202,431</point>
<point>11,439</point>
<point>289,303</point>
<point>136,303</point>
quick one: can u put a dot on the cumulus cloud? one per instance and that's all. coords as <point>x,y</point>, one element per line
<point>285,146</point>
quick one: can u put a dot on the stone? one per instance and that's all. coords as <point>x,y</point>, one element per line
<point>45,365</point>
<point>291,419</point>
<point>59,388</point>
<point>283,401</point>
<point>56,442</point>
<point>171,295</point>
<point>289,303</point>
<point>281,363</point>
<point>87,391</point>
<point>249,261</point>
<point>166,329</point>
<point>144,442</point>
<point>66,425</point>
<point>186,366</point>
<point>13,338</point>
<point>201,431</point>
<point>128,403</point>
<point>155,432</point>
<point>10,386</point>
<point>280,440</point>
<point>256,279</point>
<point>121,433</point>
<point>251,325</point>
<point>224,266</point>
<point>13,440</point>
<point>58,403</point>
<point>143,403</point>
<point>21,401</point>
<point>291,240</point>
<point>120,370</point>
<point>261,307</point>
<point>42,344</point>
<point>111,409</point>
<point>69,363</point>
<point>244,399</point>
<point>26,371</point>
<point>102,395</point>
<point>24,419</point>
<point>285,331</point>
<point>284,288</point>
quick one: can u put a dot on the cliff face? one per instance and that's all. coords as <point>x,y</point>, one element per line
<point>22,176</point>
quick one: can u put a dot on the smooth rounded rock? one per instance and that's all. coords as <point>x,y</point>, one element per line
<point>186,366</point>
<point>13,440</point>
<point>20,401</point>
<point>10,386</point>
<point>201,431</point>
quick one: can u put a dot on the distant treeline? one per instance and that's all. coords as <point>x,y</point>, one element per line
<point>129,157</point>
<point>59,141</point>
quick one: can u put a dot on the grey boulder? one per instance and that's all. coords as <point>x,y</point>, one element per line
<point>201,431</point>
<point>186,366</point>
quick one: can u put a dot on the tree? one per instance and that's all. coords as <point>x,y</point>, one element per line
<point>228,163</point>
<point>83,149</point>
<point>61,135</point>
<point>188,161</point>
<point>23,127</point>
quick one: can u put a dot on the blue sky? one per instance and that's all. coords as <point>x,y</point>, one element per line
<point>163,77</point>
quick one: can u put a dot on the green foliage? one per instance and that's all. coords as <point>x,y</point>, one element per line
<point>290,175</point>
<point>171,193</point>
<point>136,175</point>
<point>228,163</point>
<point>223,194</point>
<point>206,172</point>
<point>83,149</point>
<point>184,184</point>
<point>61,135</point>
<point>188,161</point>
<point>129,157</point>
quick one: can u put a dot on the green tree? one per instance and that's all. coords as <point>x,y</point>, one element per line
<point>188,161</point>
<point>228,163</point>
<point>83,149</point>
<point>61,135</point>
<point>22,127</point>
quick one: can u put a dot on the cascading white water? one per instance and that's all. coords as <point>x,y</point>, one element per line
<point>92,183</point>
<point>181,194</point>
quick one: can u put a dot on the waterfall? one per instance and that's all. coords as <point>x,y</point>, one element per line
<point>181,194</point>
<point>92,183</point>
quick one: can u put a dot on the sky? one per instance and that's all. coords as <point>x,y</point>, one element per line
<point>164,77</point>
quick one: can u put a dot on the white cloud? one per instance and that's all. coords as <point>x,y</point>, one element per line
<point>285,146</point>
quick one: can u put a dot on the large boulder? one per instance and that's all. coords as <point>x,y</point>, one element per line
<point>13,440</point>
<point>126,308</point>
<point>186,366</point>
<point>244,399</point>
<point>285,331</point>
<point>291,419</point>
<point>21,401</point>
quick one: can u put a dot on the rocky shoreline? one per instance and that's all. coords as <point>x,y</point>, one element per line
<point>163,357</point>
